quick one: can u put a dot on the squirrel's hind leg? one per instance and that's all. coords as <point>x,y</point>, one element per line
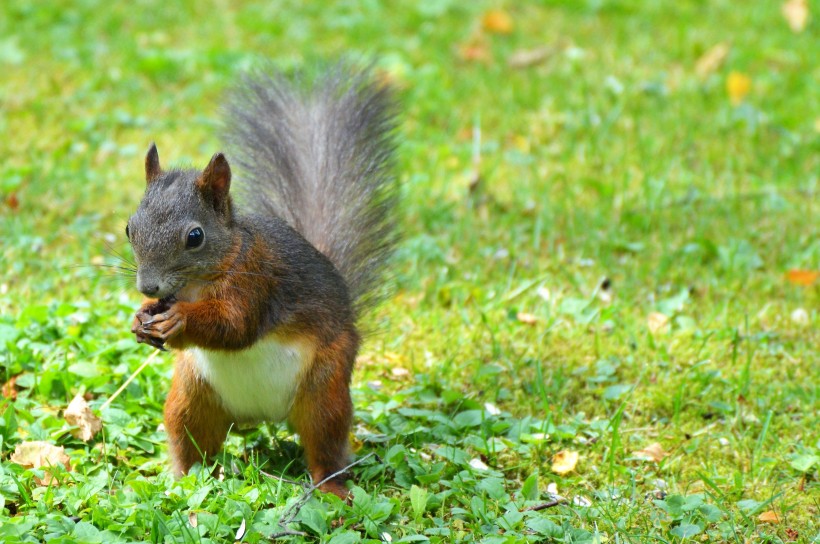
<point>195,420</point>
<point>323,412</point>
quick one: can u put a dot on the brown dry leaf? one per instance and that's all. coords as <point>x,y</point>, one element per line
<point>652,452</point>
<point>497,21</point>
<point>474,51</point>
<point>796,13</point>
<point>524,317</point>
<point>769,517</point>
<point>564,461</point>
<point>657,323</point>
<point>39,454</point>
<point>802,277</point>
<point>80,415</point>
<point>9,389</point>
<point>12,201</point>
<point>711,61</point>
<point>738,86</point>
<point>524,58</point>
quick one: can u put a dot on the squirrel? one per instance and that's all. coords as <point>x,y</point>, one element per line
<point>260,299</point>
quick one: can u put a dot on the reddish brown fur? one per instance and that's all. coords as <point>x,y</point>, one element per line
<point>195,421</point>
<point>322,412</point>
<point>224,316</point>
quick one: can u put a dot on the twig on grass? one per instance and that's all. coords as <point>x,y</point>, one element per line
<point>543,505</point>
<point>130,379</point>
<point>293,510</point>
<point>280,478</point>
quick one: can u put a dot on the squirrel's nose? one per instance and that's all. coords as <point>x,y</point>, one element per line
<point>149,290</point>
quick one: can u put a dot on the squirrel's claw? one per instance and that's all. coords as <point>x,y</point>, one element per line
<point>164,326</point>
<point>155,328</point>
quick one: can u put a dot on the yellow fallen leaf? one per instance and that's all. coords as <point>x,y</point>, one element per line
<point>564,461</point>
<point>524,317</point>
<point>796,13</point>
<point>39,454</point>
<point>738,86</point>
<point>802,277</point>
<point>79,414</point>
<point>653,452</point>
<point>769,517</point>
<point>497,21</point>
<point>657,322</point>
<point>712,60</point>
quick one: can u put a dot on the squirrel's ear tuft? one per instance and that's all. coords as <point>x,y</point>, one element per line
<point>152,168</point>
<point>215,182</point>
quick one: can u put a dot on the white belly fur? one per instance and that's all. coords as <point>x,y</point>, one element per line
<point>258,383</point>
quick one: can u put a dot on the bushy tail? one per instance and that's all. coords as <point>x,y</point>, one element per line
<point>318,152</point>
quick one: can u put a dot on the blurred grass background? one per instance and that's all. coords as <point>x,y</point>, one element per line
<point>621,154</point>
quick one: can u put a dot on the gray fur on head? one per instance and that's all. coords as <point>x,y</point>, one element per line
<point>175,203</point>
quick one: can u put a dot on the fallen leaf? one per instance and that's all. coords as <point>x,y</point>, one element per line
<point>564,461</point>
<point>478,464</point>
<point>192,520</point>
<point>791,535</point>
<point>9,389</point>
<point>800,316</point>
<point>711,61</point>
<point>769,517</point>
<point>474,51</point>
<point>399,372</point>
<point>796,13</point>
<point>653,452</point>
<point>802,277</point>
<point>12,201</point>
<point>241,531</point>
<point>738,86</point>
<point>657,322</point>
<point>497,21</point>
<point>524,317</point>
<point>524,58</point>
<point>39,454</point>
<point>79,414</point>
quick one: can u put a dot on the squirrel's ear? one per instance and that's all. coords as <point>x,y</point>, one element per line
<point>215,181</point>
<point>152,169</point>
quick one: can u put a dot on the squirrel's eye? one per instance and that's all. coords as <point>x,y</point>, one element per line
<point>127,234</point>
<point>195,238</point>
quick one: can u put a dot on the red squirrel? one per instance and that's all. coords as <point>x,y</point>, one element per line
<point>260,298</point>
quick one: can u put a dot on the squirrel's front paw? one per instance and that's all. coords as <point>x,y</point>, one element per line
<point>156,322</point>
<point>164,326</point>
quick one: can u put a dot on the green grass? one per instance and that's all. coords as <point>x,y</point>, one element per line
<point>611,159</point>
